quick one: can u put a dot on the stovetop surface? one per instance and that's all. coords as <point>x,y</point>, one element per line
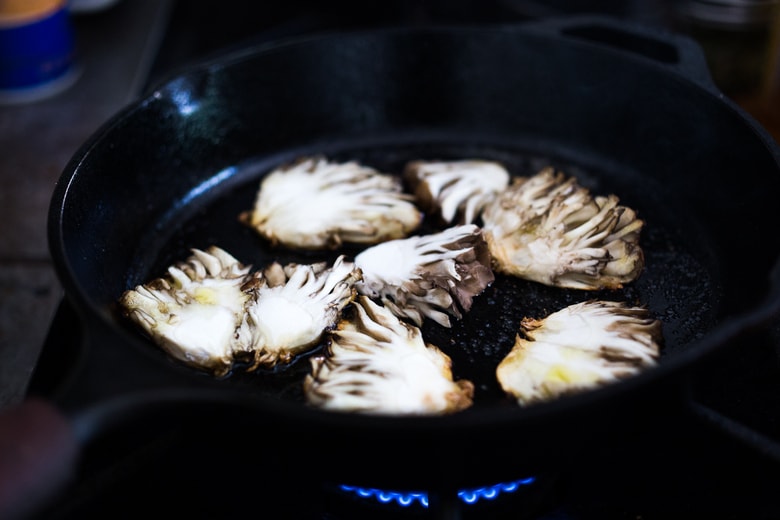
<point>685,467</point>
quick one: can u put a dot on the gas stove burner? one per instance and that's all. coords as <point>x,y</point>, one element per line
<point>525,497</point>
<point>411,499</point>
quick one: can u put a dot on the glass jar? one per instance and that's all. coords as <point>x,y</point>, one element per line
<point>739,39</point>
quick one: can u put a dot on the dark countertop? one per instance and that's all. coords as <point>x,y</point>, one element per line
<point>115,48</point>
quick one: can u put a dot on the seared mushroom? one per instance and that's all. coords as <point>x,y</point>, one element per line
<point>197,312</point>
<point>456,189</point>
<point>549,229</point>
<point>316,204</point>
<point>211,311</point>
<point>434,276</point>
<point>295,304</point>
<point>378,364</point>
<point>579,347</point>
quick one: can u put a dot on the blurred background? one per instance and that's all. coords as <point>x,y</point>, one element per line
<point>67,67</point>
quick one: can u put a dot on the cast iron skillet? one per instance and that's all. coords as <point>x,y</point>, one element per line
<point>626,109</point>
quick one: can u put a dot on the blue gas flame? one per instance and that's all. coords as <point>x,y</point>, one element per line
<point>470,496</point>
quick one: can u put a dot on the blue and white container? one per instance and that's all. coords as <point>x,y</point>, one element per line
<point>37,49</point>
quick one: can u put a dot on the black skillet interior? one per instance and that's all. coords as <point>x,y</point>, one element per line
<point>680,282</point>
<point>173,172</point>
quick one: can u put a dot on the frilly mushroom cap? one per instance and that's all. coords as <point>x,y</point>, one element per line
<point>455,191</point>
<point>294,305</point>
<point>434,276</point>
<point>579,347</point>
<point>378,364</point>
<point>211,311</point>
<point>197,310</point>
<point>317,204</point>
<point>549,229</point>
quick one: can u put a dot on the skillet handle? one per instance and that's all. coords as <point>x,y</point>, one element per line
<point>736,429</point>
<point>674,51</point>
<point>741,391</point>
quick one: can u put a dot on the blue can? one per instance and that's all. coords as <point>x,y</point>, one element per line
<point>37,49</point>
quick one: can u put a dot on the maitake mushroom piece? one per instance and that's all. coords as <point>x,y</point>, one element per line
<point>432,276</point>
<point>211,311</point>
<point>317,204</point>
<point>549,229</point>
<point>378,364</point>
<point>295,304</point>
<point>197,312</point>
<point>580,347</point>
<point>456,189</point>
